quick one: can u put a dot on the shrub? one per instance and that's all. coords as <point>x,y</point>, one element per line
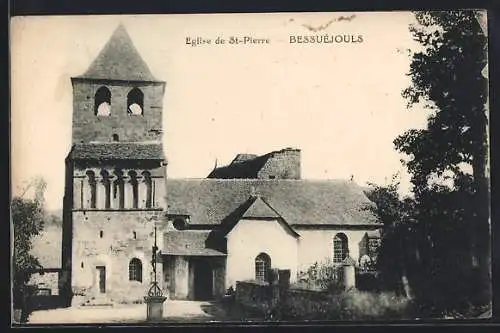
<point>348,305</point>
<point>321,276</point>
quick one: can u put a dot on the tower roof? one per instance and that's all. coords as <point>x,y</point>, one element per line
<point>119,60</point>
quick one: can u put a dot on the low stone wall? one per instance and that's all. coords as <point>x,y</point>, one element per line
<point>280,301</point>
<point>312,304</point>
<point>254,296</point>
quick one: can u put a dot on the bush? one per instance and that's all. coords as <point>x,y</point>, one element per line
<point>321,276</point>
<point>373,306</point>
<point>349,305</point>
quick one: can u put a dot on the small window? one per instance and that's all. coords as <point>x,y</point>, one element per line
<point>116,138</point>
<point>101,233</point>
<point>81,265</point>
<point>135,270</point>
<point>135,235</point>
<point>135,102</point>
<point>102,105</point>
<point>272,177</point>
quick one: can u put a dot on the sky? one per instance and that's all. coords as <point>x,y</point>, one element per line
<point>339,103</point>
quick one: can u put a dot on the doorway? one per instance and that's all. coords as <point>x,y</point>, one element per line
<point>101,276</point>
<point>203,280</point>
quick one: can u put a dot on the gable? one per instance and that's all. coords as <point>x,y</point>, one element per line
<point>260,209</point>
<point>253,228</point>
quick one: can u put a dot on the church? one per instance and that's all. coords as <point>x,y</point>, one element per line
<point>254,214</point>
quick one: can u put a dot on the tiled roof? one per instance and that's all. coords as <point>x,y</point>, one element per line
<point>298,202</point>
<point>260,209</point>
<point>244,166</point>
<point>243,157</point>
<point>188,243</point>
<point>117,151</point>
<point>119,60</point>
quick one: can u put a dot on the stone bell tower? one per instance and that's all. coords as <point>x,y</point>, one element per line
<point>115,176</point>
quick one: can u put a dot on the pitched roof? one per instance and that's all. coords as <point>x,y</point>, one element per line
<point>260,209</point>
<point>119,60</point>
<point>245,165</point>
<point>118,151</point>
<point>298,202</point>
<point>188,243</point>
<point>243,157</point>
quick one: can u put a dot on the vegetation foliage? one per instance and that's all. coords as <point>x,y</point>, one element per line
<point>27,217</point>
<point>435,247</point>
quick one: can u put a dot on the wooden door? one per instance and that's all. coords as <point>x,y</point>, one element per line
<point>101,272</point>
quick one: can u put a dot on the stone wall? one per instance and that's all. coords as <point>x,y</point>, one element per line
<point>125,235</point>
<point>88,127</point>
<point>283,164</point>
<point>254,296</point>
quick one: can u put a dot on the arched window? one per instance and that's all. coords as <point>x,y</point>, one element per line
<point>92,188</point>
<point>119,190</point>
<point>135,102</point>
<point>135,270</point>
<point>116,138</point>
<point>262,267</point>
<point>146,178</point>
<point>133,183</point>
<point>106,183</point>
<point>102,99</point>
<point>340,248</point>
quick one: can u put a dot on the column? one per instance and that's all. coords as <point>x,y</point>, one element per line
<point>99,192</point>
<point>85,194</point>
<point>128,191</point>
<point>142,190</point>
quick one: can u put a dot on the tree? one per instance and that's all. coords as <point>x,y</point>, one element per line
<point>27,219</point>
<point>396,252</point>
<point>447,78</point>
